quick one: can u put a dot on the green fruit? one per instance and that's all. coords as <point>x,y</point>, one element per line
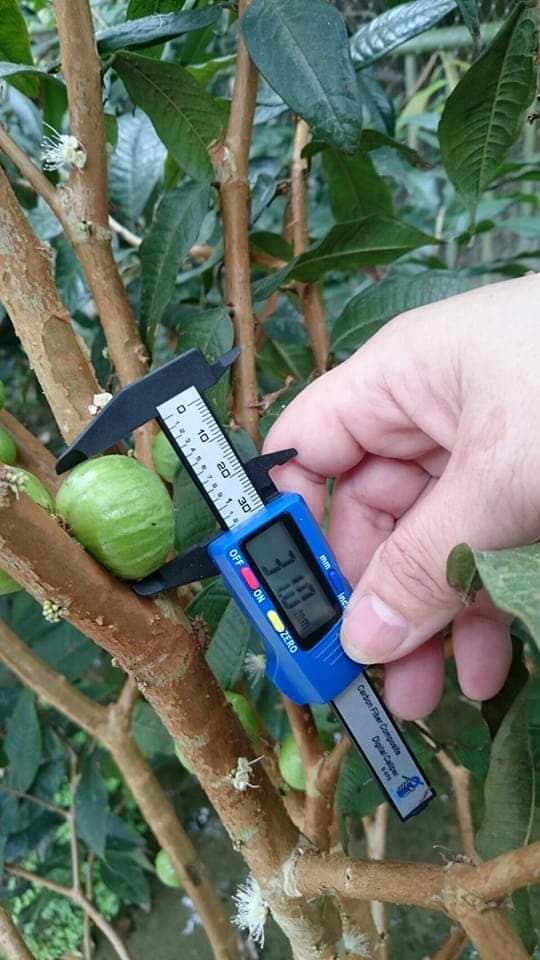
<point>245,713</point>
<point>8,584</point>
<point>8,450</point>
<point>165,870</point>
<point>291,765</point>
<point>32,487</point>
<point>121,512</point>
<point>166,461</point>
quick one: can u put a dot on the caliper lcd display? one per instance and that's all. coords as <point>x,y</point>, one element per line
<point>294,583</point>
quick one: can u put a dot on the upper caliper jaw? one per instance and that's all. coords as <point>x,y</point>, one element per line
<point>135,404</point>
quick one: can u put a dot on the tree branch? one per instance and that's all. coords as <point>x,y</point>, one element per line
<point>231,158</point>
<point>490,932</point>
<point>168,663</point>
<point>375,829</point>
<point>79,900</point>
<point>460,778</point>
<point>452,947</point>
<point>41,321</point>
<point>31,453</point>
<point>309,293</point>
<point>12,945</point>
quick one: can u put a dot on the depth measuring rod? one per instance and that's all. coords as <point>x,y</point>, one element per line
<point>273,557</point>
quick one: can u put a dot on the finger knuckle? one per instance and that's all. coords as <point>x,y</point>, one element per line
<point>415,568</point>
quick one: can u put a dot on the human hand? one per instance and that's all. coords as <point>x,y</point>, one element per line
<point>432,432</point>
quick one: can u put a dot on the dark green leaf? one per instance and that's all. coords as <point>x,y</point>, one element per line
<point>15,45</point>
<point>22,743</point>
<point>229,630</point>
<point>212,332</point>
<point>282,359</point>
<point>378,104</point>
<point>396,26</point>
<point>358,793</point>
<point>355,187</point>
<point>375,139</point>
<point>509,786</point>
<point>126,878</point>
<point>511,578</point>
<point>91,808</point>
<point>484,114</point>
<point>185,116</point>
<point>472,748</point>
<point>174,229</point>
<point>194,519</point>
<point>534,730</point>
<point>300,47</point>
<point>469,12</point>
<point>143,32</point>
<point>461,571</point>
<point>368,310</point>
<point>135,166</point>
<point>149,733</point>
<point>495,710</point>
<point>144,8</point>
<point>25,72</point>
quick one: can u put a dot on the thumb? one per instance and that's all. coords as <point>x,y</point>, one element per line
<point>404,598</point>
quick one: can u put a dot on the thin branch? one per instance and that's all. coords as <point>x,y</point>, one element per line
<point>127,235</point>
<point>309,293</point>
<point>460,778</point>
<point>491,933</point>
<point>375,828</point>
<point>41,321</point>
<point>12,945</point>
<point>230,158</point>
<point>89,891</point>
<point>36,178</point>
<point>39,801</point>
<point>31,453</point>
<point>73,841</point>
<point>124,706</point>
<point>452,948</point>
<point>501,876</point>
<point>85,198</point>
<point>79,900</point>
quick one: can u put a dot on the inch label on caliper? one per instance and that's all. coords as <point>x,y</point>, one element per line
<point>204,448</point>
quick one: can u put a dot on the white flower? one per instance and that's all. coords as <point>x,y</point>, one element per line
<point>53,611</point>
<point>255,665</point>
<point>357,943</point>
<point>251,909</point>
<point>61,150</point>
<point>241,777</point>
<point>99,401</point>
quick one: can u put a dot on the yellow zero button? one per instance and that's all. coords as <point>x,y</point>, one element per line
<point>276,621</point>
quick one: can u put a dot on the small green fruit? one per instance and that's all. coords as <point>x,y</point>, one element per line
<point>245,713</point>
<point>8,584</point>
<point>121,512</point>
<point>291,765</point>
<point>165,870</point>
<point>8,450</point>
<point>166,461</point>
<point>32,487</point>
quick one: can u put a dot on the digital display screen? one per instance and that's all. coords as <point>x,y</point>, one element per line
<point>294,583</point>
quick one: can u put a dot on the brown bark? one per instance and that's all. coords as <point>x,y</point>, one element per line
<point>230,158</point>
<point>490,932</point>
<point>452,947</point>
<point>12,945</point>
<point>31,453</point>
<point>309,293</point>
<point>40,319</point>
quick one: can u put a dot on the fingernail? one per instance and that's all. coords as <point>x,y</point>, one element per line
<point>371,630</point>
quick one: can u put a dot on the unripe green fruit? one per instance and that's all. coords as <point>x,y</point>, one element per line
<point>166,461</point>
<point>32,487</point>
<point>8,584</point>
<point>245,713</point>
<point>121,512</point>
<point>165,870</point>
<point>8,450</point>
<point>290,763</point>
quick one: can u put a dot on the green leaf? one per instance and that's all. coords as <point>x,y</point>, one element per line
<point>354,186</point>
<point>300,47</point>
<point>146,31</point>
<point>278,406</point>
<point>149,733</point>
<point>495,710</point>
<point>358,792</point>
<point>511,578</point>
<point>22,743</point>
<point>10,71</point>
<point>15,45</point>
<point>212,332</point>
<point>469,13</point>
<point>509,786</point>
<point>484,114</point>
<point>135,166</point>
<point>91,808</point>
<point>174,229</point>
<point>394,27</point>
<point>185,116</point>
<point>461,571</point>
<point>534,730</point>
<point>195,521</point>
<point>472,747</point>
<point>370,309</point>
<point>229,630</point>
<point>375,140</point>
<point>143,8</point>
<point>123,875</point>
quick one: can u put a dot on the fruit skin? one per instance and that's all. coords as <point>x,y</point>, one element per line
<point>245,713</point>
<point>8,450</point>
<point>32,487</point>
<point>165,870</point>
<point>166,461</point>
<point>290,763</point>
<point>8,584</point>
<point>121,512</point>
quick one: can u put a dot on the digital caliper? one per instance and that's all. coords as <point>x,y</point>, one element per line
<point>272,555</point>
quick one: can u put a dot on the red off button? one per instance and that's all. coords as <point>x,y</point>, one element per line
<point>250,578</point>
